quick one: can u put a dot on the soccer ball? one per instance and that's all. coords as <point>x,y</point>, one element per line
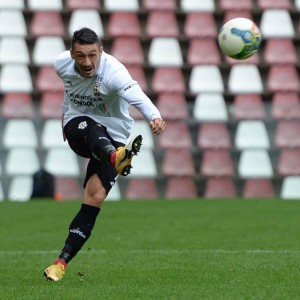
<point>239,38</point>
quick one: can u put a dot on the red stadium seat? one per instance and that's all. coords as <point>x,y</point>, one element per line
<point>149,5</point>
<point>280,51</point>
<point>141,188</point>
<point>178,162</point>
<point>213,136</point>
<point>161,24</point>
<point>50,106</point>
<point>218,188</point>
<point>231,14</point>
<point>203,51</point>
<point>67,189</point>
<point>168,79</point>
<point>173,106</point>
<point>289,162</point>
<point>138,74</point>
<point>180,188</point>
<point>47,23</point>
<point>286,106</point>
<point>271,4</point>
<point>216,163</point>
<point>124,24</point>
<point>287,134</point>
<point>79,4</point>
<point>283,78</point>
<point>17,105</point>
<point>258,188</point>
<point>48,81</point>
<point>128,50</point>
<point>248,106</point>
<point>237,5</point>
<point>176,135</point>
<point>200,25</point>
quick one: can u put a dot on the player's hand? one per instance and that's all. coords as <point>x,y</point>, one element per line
<point>158,126</point>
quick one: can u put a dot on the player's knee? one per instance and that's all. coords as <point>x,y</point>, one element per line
<point>95,199</point>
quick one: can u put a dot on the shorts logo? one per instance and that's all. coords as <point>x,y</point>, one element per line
<point>82,125</point>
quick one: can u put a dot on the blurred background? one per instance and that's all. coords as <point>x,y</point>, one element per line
<point>233,126</point>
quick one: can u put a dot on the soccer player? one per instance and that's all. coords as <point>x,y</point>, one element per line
<point>96,123</point>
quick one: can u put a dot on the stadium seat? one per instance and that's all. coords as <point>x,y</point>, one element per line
<point>192,5</point>
<point>173,106</point>
<point>51,5</point>
<point>150,5</point>
<point>180,188</point>
<point>290,188</point>
<point>283,78</point>
<point>124,24</point>
<point>287,134</point>
<point>52,134</point>
<point>141,188</point>
<point>2,196</point>
<point>161,24</point>
<point>203,51</point>
<point>165,52</point>
<point>297,5</point>
<point>47,23</point>
<point>144,165</point>
<point>280,51</point>
<point>46,50</point>
<point>79,4</point>
<point>271,4</point>
<point>168,80</point>
<point>19,133</point>
<point>251,134</point>
<point>61,162</point>
<point>142,127</point>
<point>176,135</point>
<point>210,107</point>
<point>213,136</point>
<point>253,60</point>
<point>21,161</point>
<point>248,106</point>
<point>254,188</point>
<point>178,162</point>
<point>255,163</point>
<point>85,18</point>
<point>239,83</point>
<point>128,50</point>
<point>67,188</point>
<point>48,81</point>
<point>276,23</point>
<point>237,5</point>
<point>12,23</point>
<point>20,188</point>
<point>200,25</point>
<point>15,78</point>
<point>14,50</point>
<point>289,162</point>
<point>231,14</point>
<point>121,5</point>
<point>17,105</point>
<point>216,163</point>
<point>115,193</point>
<point>285,105</point>
<point>8,4</point>
<point>51,105</point>
<point>206,79</point>
<point>137,73</point>
<point>219,188</point>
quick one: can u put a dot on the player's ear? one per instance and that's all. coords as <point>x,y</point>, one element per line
<point>71,52</point>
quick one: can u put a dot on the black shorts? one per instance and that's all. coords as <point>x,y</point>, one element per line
<point>76,131</point>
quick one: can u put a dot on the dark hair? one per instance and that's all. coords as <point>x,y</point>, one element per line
<point>85,36</point>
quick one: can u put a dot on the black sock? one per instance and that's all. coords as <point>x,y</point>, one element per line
<point>80,230</point>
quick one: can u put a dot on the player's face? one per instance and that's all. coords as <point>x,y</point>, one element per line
<point>87,58</point>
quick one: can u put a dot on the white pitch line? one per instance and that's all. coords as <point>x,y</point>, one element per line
<point>159,251</point>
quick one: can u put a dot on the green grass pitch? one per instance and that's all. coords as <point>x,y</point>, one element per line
<point>197,249</point>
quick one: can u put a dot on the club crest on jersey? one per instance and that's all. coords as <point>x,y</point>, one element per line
<point>82,125</point>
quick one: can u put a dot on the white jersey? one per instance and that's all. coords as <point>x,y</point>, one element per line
<point>105,97</point>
